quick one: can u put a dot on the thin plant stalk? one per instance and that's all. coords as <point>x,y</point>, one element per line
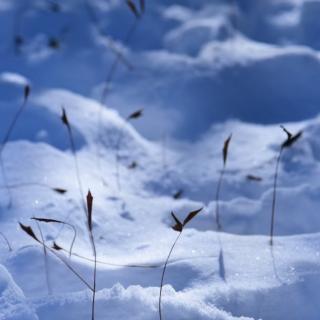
<point>74,237</point>
<point>6,241</point>
<point>218,190</point>
<point>135,115</point>
<point>94,279</point>
<point>28,230</point>
<point>179,227</point>
<point>46,264</point>
<point>111,73</point>
<point>234,15</point>
<point>217,198</point>
<point>76,273</point>
<point>117,160</point>
<point>274,196</point>
<point>218,224</point>
<point>87,209</point>
<point>291,139</point>
<point>104,94</point>
<point>5,181</point>
<point>46,220</point>
<point>164,153</point>
<point>122,265</point>
<point>17,22</point>
<point>7,137</point>
<point>225,151</point>
<point>65,120</point>
<point>89,212</point>
<point>114,264</point>
<point>164,271</point>
<point>95,22</point>
<point>118,58</point>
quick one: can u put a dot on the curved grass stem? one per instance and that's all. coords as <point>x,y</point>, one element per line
<point>164,271</point>
<point>274,196</point>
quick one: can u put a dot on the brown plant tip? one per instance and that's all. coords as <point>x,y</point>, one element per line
<point>226,149</point>
<point>53,43</point>
<point>18,40</point>
<point>64,117</point>
<point>132,165</point>
<point>135,115</point>
<point>133,8</point>
<point>56,247</point>
<point>60,190</point>
<point>191,215</point>
<point>178,226</point>
<point>177,195</point>
<point>253,178</point>
<point>47,220</point>
<point>89,207</point>
<point>291,140</point>
<point>26,93</point>
<point>28,230</point>
<point>289,134</point>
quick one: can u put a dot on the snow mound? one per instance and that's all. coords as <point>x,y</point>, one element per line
<point>200,70</point>
<point>140,304</point>
<point>13,304</point>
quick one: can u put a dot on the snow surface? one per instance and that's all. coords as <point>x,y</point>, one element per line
<point>201,69</point>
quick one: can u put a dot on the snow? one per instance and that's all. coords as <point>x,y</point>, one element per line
<point>13,78</point>
<point>13,302</point>
<point>201,70</point>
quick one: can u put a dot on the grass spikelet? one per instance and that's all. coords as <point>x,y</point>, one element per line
<point>89,208</point>
<point>65,121</point>
<point>133,116</point>
<point>47,220</point>
<point>225,152</point>
<point>178,194</point>
<point>133,8</point>
<point>178,227</point>
<point>252,177</point>
<point>291,139</point>
<point>119,58</point>
<point>29,231</point>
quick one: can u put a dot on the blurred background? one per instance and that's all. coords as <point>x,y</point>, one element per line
<point>188,64</point>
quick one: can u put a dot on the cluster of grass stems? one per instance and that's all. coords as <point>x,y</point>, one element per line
<point>87,202</point>
<point>138,13</point>
<point>178,226</point>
